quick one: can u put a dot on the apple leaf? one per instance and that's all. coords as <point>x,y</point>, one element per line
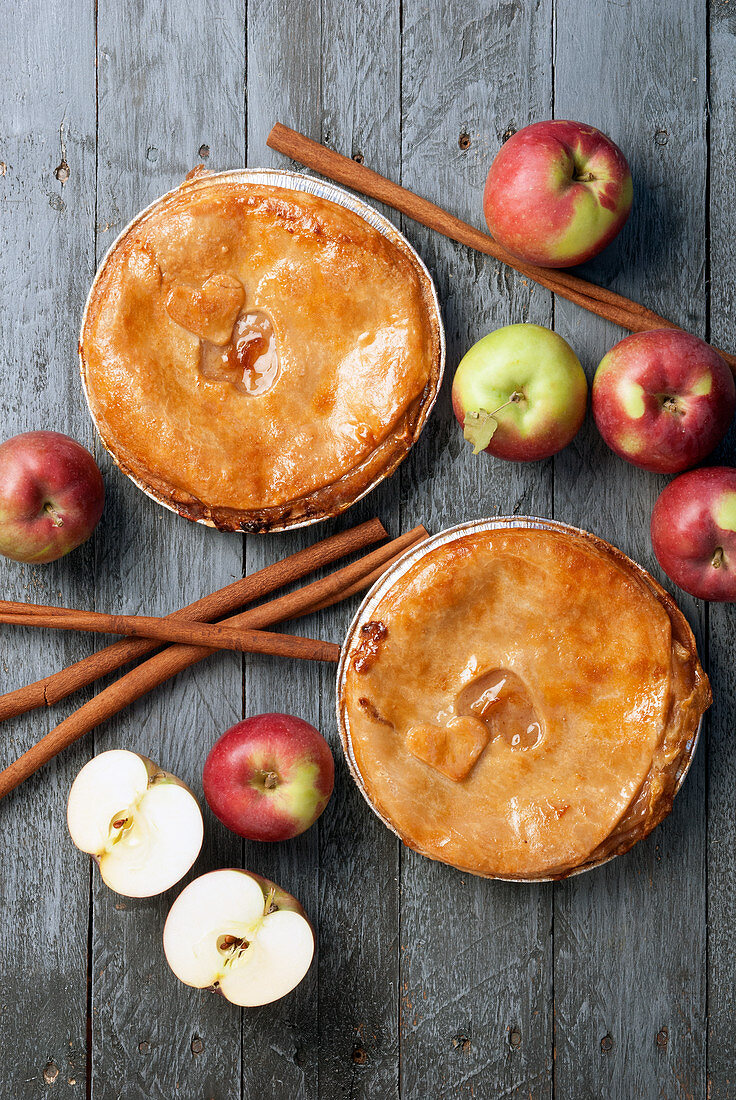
<point>479,428</point>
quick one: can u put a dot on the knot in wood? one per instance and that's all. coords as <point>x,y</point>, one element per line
<point>50,1073</point>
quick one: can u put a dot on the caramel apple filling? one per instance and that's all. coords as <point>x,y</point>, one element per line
<point>236,345</point>
<point>501,701</point>
<point>496,704</point>
<point>250,359</point>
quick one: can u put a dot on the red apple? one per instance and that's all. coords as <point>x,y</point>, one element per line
<point>520,393</point>
<point>557,193</point>
<point>269,777</point>
<point>694,532</point>
<point>51,496</point>
<point>663,399</point>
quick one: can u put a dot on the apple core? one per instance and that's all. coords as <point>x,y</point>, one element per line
<point>142,826</point>
<point>238,934</point>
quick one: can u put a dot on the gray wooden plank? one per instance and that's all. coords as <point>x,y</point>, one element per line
<point>359,857</point>
<point>283,52</point>
<point>154,1037</point>
<point>46,255</point>
<point>630,937</point>
<point>476,972</point>
<point>721,774</point>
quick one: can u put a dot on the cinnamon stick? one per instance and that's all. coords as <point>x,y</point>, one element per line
<point>161,667</point>
<point>55,687</point>
<point>361,585</point>
<point>599,300</point>
<point>166,630</point>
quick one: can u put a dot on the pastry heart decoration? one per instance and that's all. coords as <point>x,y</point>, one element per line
<point>209,311</point>
<point>237,345</point>
<point>495,704</point>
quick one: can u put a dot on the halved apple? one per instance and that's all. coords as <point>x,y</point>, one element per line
<point>142,826</point>
<point>240,934</point>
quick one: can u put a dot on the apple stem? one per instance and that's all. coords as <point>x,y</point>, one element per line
<point>271,781</point>
<point>672,405</point>
<point>515,398</point>
<point>717,560</point>
<point>269,906</point>
<point>49,509</point>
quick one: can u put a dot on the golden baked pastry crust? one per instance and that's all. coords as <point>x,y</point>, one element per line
<point>353,320</point>
<point>600,699</point>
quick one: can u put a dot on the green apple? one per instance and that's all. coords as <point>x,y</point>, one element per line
<point>520,393</point>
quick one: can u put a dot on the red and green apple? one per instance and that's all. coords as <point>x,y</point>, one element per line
<point>520,393</point>
<point>269,777</point>
<point>663,399</point>
<point>51,496</point>
<point>557,193</point>
<point>694,532</point>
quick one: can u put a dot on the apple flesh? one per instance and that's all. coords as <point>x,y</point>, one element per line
<point>557,193</point>
<point>663,399</point>
<point>239,934</point>
<point>142,826</point>
<point>51,496</point>
<point>269,777</point>
<point>520,393</point>
<point>694,532</point>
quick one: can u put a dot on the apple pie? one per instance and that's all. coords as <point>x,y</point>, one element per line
<point>257,357</point>
<point>520,702</point>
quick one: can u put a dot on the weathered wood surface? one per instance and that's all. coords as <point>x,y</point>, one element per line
<point>153,117</point>
<point>476,964</point>
<point>618,984</point>
<point>629,941</point>
<point>721,760</point>
<point>46,260</point>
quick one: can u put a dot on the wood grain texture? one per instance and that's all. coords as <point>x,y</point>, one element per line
<point>280,1042</point>
<point>630,937</point>
<point>46,257</point>
<point>428,984</point>
<point>170,81</point>
<point>721,775</point>
<point>358,857</point>
<point>475,955</point>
